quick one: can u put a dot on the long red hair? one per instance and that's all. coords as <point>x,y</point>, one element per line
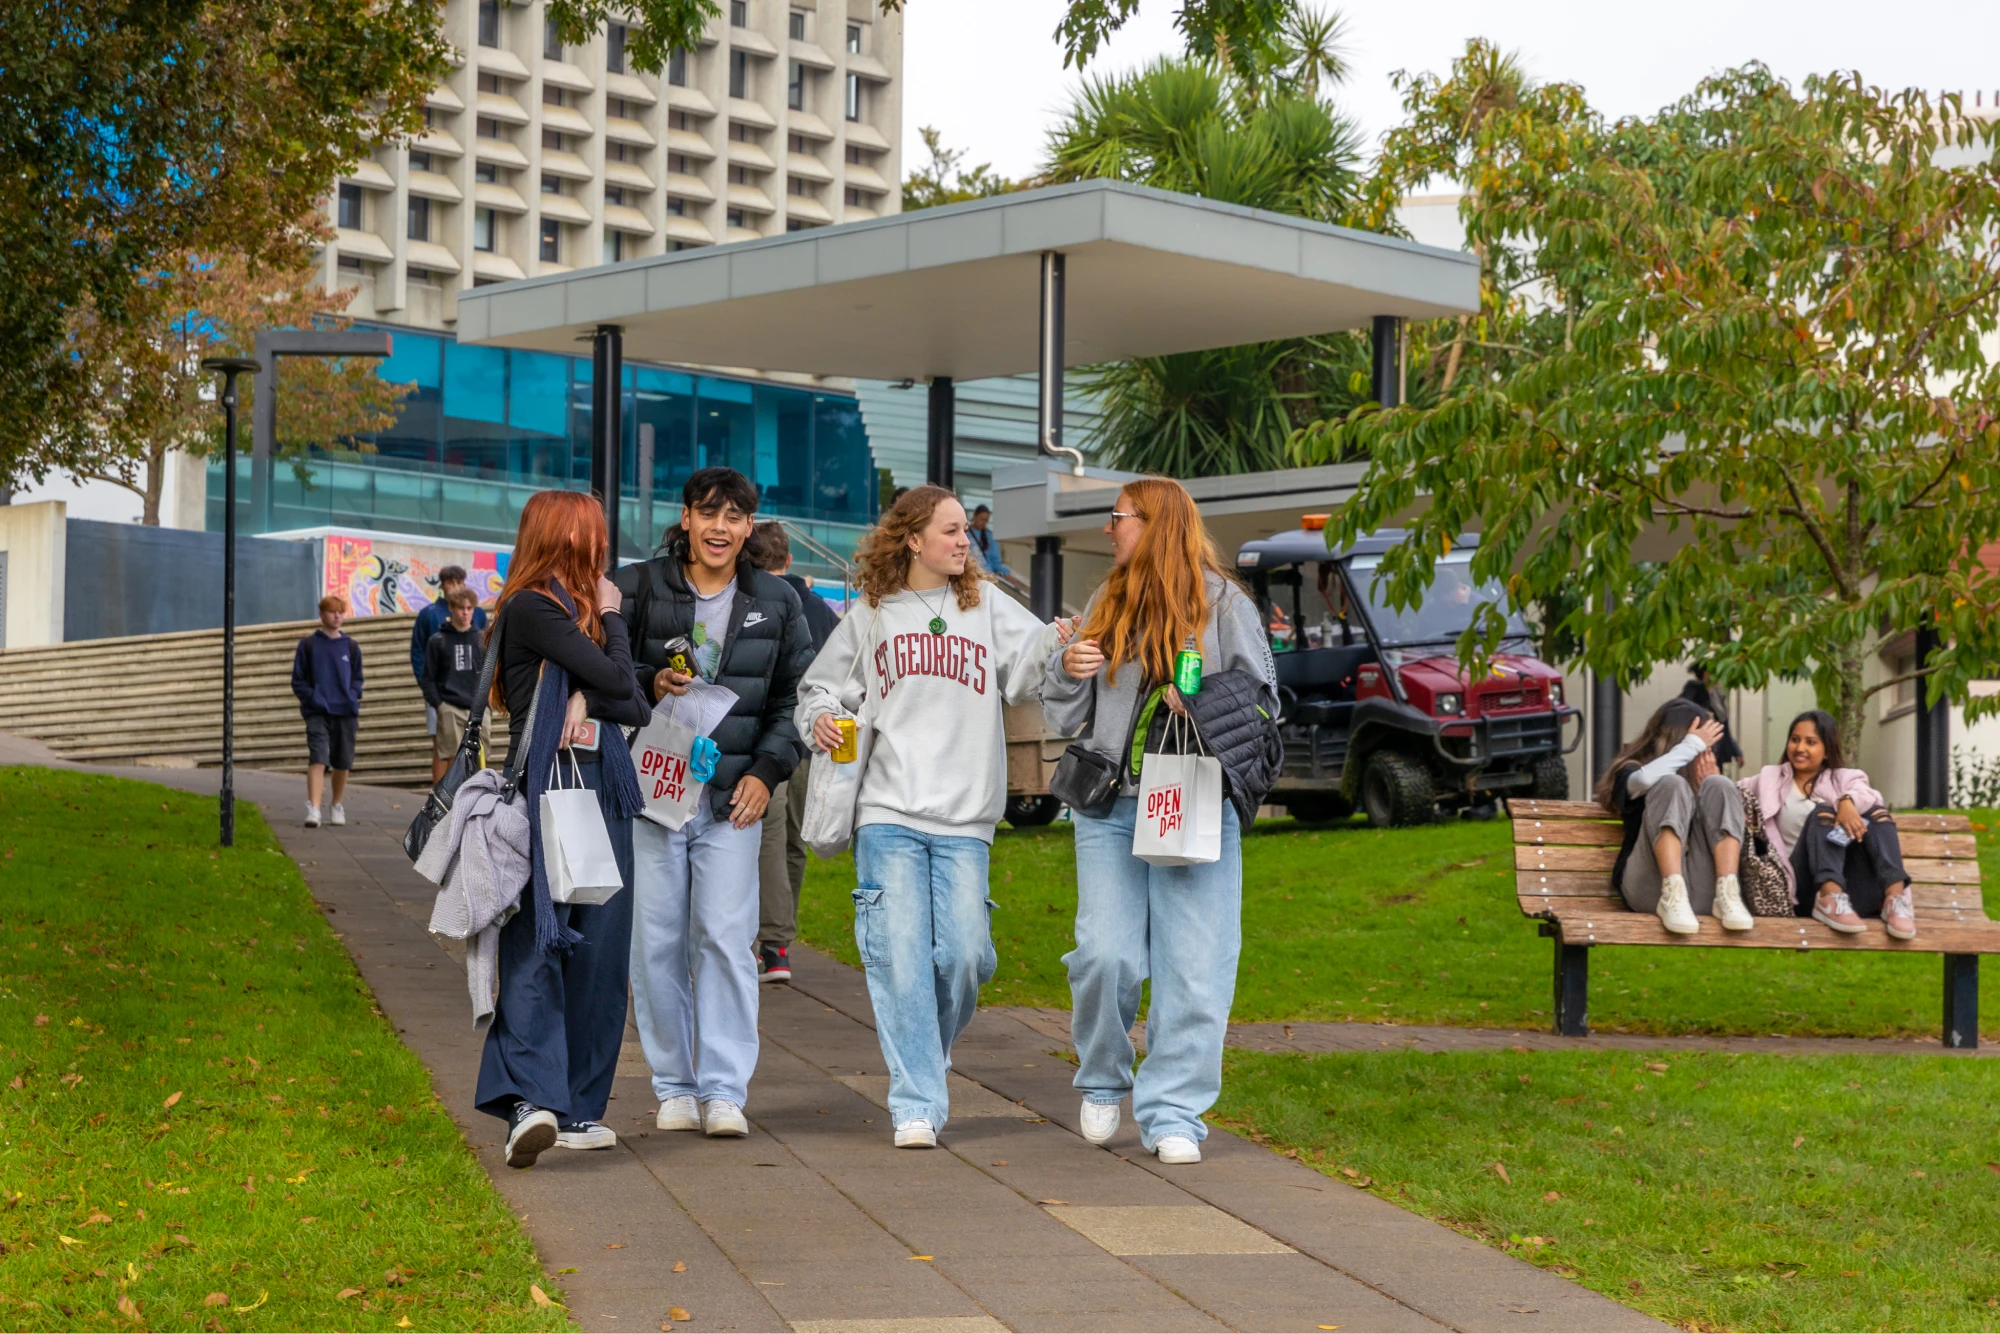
<point>561,545</point>
<point>1154,602</point>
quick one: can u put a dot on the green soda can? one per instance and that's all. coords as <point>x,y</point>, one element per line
<point>1187,669</point>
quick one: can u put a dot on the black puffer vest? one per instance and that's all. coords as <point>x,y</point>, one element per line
<point>765,652</point>
<point>1238,731</point>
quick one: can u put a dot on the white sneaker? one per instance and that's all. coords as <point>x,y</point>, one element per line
<point>339,815</point>
<point>722,1119</point>
<point>916,1135</point>
<point>1177,1149</point>
<point>312,816</point>
<point>1675,915</point>
<point>1729,909</point>
<point>1100,1120</point>
<point>680,1113</point>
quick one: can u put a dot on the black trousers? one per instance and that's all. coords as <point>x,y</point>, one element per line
<point>1865,868</point>
<point>560,1019</point>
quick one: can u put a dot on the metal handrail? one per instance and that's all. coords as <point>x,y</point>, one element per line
<point>796,533</point>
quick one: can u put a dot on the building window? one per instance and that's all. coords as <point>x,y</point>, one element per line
<point>486,173</point>
<point>735,217</point>
<point>349,264</point>
<point>551,40</point>
<point>552,185</point>
<point>676,162</point>
<point>855,198</point>
<point>614,48</point>
<point>417,275</point>
<point>856,156</point>
<point>677,207</point>
<point>739,74</point>
<point>795,185</point>
<point>420,162</point>
<point>615,106</point>
<point>420,218</point>
<point>614,194</point>
<point>617,153</point>
<point>738,176</point>
<point>614,247</point>
<point>854,97</point>
<point>677,69</point>
<point>739,13</point>
<point>488,128</point>
<point>490,83</point>
<point>551,250</point>
<point>552,96</point>
<point>854,39</point>
<point>798,25</point>
<point>430,118</point>
<point>552,139</point>
<point>483,229</point>
<point>349,213</point>
<point>739,132</point>
<point>677,120</point>
<point>489,22</point>
<point>795,90</point>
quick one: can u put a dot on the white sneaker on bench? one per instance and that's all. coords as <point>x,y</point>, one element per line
<point>1729,909</point>
<point>1674,912</point>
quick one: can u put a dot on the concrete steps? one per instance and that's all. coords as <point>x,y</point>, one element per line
<point>157,700</point>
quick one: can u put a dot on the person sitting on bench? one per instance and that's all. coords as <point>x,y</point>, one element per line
<point>1829,829</point>
<point>1683,822</point>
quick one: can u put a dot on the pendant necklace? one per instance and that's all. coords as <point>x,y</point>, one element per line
<point>937,613</point>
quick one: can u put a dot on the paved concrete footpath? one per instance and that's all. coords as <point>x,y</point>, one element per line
<point>816,1223</point>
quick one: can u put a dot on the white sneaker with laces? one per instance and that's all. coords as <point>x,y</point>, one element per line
<point>1729,909</point>
<point>723,1120</point>
<point>339,815</point>
<point>680,1113</point>
<point>916,1135</point>
<point>1177,1149</point>
<point>1673,910</point>
<point>1100,1121</point>
<point>312,816</point>
<point>1899,916</point>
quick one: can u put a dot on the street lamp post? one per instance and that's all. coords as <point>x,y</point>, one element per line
<point>230,367</point>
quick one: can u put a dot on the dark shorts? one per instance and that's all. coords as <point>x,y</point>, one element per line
<point>330,740</point>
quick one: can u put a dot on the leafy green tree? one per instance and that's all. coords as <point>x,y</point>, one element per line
<point>1730,380</point>
<point>946,180</point>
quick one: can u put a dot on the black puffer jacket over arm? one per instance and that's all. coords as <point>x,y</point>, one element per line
<point>766,651</point>
<point>1238,724</point>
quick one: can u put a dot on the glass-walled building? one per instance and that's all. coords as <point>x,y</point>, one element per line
<point>484,428</point>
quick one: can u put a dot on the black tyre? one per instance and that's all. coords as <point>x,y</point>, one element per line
<point>1032,812</point>
<point>1314,807</point>
<point>1551,779</point>
<point>1396,791</point>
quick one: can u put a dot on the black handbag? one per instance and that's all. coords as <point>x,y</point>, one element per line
<point>1085,781</point>
<point>437,807</point>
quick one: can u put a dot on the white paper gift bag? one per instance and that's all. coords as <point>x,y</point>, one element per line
<point>832,798</point>
<point>661,753</point>
<point>576,846</point>
<point>1179,820</point>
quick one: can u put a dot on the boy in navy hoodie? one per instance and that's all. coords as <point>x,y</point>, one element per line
<point>326,676</point>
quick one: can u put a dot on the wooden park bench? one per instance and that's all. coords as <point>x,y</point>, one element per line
<point>1564,850</point>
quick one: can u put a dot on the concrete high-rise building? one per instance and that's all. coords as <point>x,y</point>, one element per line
<point>540,158</point>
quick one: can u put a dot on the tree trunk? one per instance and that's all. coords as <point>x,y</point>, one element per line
<point>156,481</point>
<point>1848,701</point>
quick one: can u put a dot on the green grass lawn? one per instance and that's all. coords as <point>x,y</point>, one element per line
<point>1421,926</point>
<point>204,1121</point>
<point>1712,1190</point>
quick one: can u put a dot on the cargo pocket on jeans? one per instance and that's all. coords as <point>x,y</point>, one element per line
<point>871,935</point>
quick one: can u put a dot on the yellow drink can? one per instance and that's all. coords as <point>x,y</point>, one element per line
<point>845,752</point>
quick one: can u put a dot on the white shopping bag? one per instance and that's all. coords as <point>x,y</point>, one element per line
<point>827,823</point>
<point>1179,820</point>
<point>576,846</point>
<point>661,751</point>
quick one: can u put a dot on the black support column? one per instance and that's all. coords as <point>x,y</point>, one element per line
<point>607,426</point>
<point>940,433</point>
<point>1933,731</point>
<point>1386,344</point>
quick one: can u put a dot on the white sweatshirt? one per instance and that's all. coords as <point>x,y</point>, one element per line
<point>939,757</point>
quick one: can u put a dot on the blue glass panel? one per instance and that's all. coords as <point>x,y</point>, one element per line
<point>538,392</point>
<point>412,359</point>
<point>843,469</point>
<point>726,391</point>
<point>725,427</point>
<point>788,488</point>
<point>475,383</point>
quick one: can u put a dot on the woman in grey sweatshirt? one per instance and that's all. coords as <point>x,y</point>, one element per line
<point>928,661</point>
<point>1179,925</point>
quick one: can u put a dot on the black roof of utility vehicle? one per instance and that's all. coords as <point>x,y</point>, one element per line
<point>1307,544</point>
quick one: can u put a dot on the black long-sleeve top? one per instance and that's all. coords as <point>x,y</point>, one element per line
<point>536,629</point>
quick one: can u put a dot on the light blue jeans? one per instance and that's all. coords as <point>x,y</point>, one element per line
<point>1182,927</point>
<point>924,927</point>
<point>694,954</point>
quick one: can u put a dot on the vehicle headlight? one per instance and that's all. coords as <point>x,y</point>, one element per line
<point>1451,703</point>
<point>1555,692</point>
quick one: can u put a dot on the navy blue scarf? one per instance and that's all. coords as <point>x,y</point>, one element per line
<point>620,792</point>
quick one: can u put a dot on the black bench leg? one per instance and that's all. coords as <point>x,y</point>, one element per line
<point>1572,990</point>
<point>1961,1001</point>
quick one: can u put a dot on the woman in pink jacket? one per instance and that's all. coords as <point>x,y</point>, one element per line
<point>1832,834</point>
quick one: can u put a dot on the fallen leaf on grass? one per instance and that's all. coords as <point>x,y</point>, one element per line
<point>67,1241</point>
<point>1500,1170</point>
<point>17,1083</point>
<point>96,1218</point>
<point>1850,1273</point>
<point>1658,1067</point>
<point>404,1323</point>
<point>678,1313</point>
<point>261,1299</point>
<point>172,1098</point>
<point>222,1298</point>
<point>340,1296</point>
<point>41,1021</point>
<point>1553,1195</point>
<point>571,1269</point>
<point>1917,1173</point>
<point>128,1308</point>
<point>680,1266</point>
<point>395,1278</point>
<point>1800,1140</point>
<point>541,1298</point>
<point>1993,1167</point>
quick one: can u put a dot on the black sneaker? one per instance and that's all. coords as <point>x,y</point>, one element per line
<point>531,1134</point>
<point>773,965</point>
<point>585,1135</point>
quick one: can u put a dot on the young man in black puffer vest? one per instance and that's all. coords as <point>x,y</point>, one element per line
<point>695,905</point>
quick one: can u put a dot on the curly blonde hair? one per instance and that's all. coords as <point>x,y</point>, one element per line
<point>883,559</point>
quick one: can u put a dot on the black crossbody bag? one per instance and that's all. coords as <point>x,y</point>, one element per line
<point>437,807</point>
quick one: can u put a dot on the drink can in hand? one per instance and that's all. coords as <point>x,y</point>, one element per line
<point>680,655</point>
<point>1187,671</point>
<point>845,752</point>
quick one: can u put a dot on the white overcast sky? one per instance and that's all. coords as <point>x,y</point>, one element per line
<point>989,74</point>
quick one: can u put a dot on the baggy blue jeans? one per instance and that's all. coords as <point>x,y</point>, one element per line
<point>1182,927</point>
<point>924,927</point>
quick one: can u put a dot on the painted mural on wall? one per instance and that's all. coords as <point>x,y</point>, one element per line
<point>386,576</point>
